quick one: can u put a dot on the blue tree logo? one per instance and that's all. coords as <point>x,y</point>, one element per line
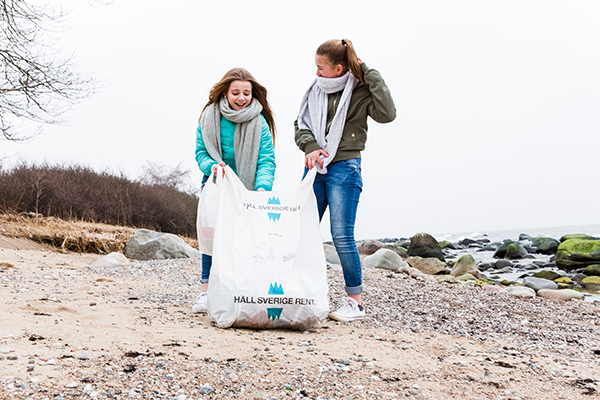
<point>275,288</point>
<point>274,216</point>
<point>274,313</point>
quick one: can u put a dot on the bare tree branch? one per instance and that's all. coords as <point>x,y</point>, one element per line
<point>36,82</point>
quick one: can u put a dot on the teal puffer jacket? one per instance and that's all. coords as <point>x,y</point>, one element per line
<point>265,167</point>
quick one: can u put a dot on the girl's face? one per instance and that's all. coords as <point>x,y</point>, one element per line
<point>239,94</point>
<point>326,69</point>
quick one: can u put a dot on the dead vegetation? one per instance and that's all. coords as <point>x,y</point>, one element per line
<point>75,236</point>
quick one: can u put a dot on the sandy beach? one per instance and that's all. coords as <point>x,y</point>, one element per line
<point>72,330</point>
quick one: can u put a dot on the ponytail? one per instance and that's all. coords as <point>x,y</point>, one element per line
<point>342,52</point>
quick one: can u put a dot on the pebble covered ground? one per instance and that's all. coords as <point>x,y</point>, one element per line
<point>70,330</point>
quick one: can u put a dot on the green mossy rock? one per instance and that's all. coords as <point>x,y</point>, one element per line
<point>446,244</point>
<point>515,251</point>
<point>563,279</point>
<point>591,283</point>
<point>592,270</point>
<point>545,274</point>
<point>424,245</point>
<point>580,236</point>
<point>577,253</point>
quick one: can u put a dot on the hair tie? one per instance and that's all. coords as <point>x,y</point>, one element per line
<point>343,42</point>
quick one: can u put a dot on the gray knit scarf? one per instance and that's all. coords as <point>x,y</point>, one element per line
<point>247,136</point>
<point>313,113</point>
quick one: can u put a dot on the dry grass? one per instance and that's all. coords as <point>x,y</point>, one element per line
<point>76,236</point>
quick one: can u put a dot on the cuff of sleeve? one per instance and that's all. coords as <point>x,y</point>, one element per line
<point>310,147</point>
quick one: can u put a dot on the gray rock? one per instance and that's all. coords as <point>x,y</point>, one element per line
<point>430,266</point>
<point>206,389</point>
<point>574,294</point>
<point>425,246</point>
<point>539,283</point>
<point>112,260</point>
<point>399,250</point>
<point>331,255</point>
<point>385,259</point>
<point>545,245</point>
<point>503,264</point>
<point>369,247</point>
<point>83,356</point>
<point>465,265</point>
<point>150,245</point>
<point>519,291</point>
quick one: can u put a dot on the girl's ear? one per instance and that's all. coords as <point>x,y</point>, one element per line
<point>339,70</point>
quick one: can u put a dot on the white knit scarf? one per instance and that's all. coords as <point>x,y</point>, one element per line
<point>246,142</point>
<point>313,113</point>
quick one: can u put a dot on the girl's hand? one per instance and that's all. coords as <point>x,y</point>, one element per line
<point>214,167</point>
<point>314,157</point>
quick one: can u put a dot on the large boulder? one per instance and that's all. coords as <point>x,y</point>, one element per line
<point>385,259</point>
<point>501,250</point>
<point>465,265</point>
<point>581,236</point>
<point>425,246</point>
<point>150,245</point>
<point>577,253</point>
<point>369,247</point>
<point>545,245</point>
<point>398,250</point>
<point>429,266</point>
<point>331,255</point>
<point>515,251</point>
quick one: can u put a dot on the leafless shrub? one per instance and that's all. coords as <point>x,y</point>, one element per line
<point>73,192</point>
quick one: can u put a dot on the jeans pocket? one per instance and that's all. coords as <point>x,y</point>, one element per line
<point>353,164</point>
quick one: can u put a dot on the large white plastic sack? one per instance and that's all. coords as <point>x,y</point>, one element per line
<point>208,207</point>
<point>269,267</point>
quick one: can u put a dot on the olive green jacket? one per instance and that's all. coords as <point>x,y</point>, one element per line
<point>373,99</point>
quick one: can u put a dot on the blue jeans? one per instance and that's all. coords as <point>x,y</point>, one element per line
<point>206,259</point>
<point>340,189</point>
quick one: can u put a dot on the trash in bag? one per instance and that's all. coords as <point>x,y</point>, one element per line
<point>269,267</point>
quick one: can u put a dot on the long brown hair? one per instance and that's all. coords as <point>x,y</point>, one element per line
<point>342,52</point>
<point>258,91</point>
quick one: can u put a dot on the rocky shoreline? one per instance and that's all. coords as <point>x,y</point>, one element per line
<point>73,327</point>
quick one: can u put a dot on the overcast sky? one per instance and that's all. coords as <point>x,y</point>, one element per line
<point>498,102</point>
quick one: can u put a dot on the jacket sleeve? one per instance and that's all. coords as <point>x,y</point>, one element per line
<point>305,139</point>
<point>381,108</point>
<point>205,162</point>
<point>265,167</point>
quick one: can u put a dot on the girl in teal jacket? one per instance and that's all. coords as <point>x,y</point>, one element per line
<point>237,129</point>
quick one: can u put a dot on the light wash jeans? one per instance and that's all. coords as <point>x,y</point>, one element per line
<point>340,189</point>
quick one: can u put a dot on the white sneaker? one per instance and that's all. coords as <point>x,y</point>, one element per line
<point>350,311</point>
<point>200,304</point>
